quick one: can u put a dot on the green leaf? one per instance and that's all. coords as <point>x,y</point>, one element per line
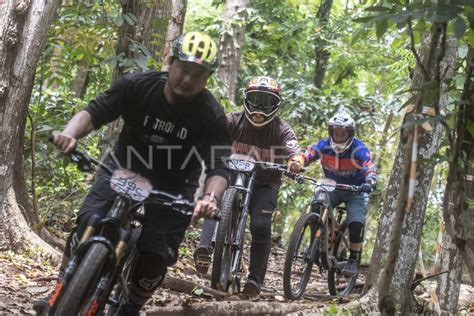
<point>129,19</point>
<point>470,128</point>
<point>397,42</point>
<point>459,28</point>
<point>463,2</point>
<point>333,310</point>
<point>364,19</point>
<point>444,14</point>
<point>470,37</point>
<point>400,17</point>
<point>377,8</point>
<point>197,291</point>
<point>142,61</point>
<point>133,17</point>
<point>118,21</point>
<point>381,28</point>
<point>418,14</point>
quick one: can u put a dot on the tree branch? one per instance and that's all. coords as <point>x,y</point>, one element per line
<point>412,45</point>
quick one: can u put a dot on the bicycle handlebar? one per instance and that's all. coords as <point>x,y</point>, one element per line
<point>302,178</point>
<point>84,163</point>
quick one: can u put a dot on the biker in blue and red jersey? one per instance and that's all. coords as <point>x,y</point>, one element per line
<point>346,160</point>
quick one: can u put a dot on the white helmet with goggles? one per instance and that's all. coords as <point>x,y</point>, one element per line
<point>341,120</point>
<point>262,97</point>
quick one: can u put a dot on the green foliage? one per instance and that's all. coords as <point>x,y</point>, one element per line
<point>79,39</point>
<point>60,187</point>
<point>423,13</point>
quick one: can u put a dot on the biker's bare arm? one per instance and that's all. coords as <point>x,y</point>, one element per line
<point>213,191</point>
<point>79,126</point>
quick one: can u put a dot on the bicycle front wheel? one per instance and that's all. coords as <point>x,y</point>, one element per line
<point>83,281</point>
<point>298,261</point>
<point>222,259</point>
<point>338,284</point>
<point>123,279</point>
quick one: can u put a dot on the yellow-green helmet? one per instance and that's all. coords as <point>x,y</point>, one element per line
<point>197,48</point>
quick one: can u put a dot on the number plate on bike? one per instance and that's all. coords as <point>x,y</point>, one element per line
<point>326,184</point>
<point>132,184</point>
<point>241,165</point>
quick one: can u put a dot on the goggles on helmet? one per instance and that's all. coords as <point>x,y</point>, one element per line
<point>261,101</point>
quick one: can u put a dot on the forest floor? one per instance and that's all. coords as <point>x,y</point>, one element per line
<point>23,280</point>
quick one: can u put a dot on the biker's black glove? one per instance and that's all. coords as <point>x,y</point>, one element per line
<point>368,186</point>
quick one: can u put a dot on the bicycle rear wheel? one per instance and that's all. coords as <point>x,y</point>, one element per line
<point>338,284</point>
<point>298,261</point>
<point>222,259</point>
<point>83,281</point>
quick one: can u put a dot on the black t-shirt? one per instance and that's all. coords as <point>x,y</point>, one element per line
<point>164,142</point>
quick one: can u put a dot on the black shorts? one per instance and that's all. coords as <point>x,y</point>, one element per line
<point>162,229</point>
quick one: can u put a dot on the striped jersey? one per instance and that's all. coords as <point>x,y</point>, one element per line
<point>352,167</point>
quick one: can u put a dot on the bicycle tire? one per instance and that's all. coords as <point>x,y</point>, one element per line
<point>221,263</point>
<point>117,294</point>
<point>83,281</point>
<point>294,251</point>
<point>338,284</point>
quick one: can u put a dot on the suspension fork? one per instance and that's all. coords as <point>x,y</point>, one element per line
<point>326,224</point>
<point>107,281</point>
<point>71,267</point>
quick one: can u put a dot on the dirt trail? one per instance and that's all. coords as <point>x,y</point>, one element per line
<point>23,280</point>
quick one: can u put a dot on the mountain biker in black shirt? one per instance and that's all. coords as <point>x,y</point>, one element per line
<point>171,124</point>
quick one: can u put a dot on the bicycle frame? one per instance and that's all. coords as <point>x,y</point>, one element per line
<point>246,191</point>
<point>330,230</point>
<point>242,182</point>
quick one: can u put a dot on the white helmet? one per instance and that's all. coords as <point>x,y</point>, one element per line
<point>262,96</point>
<point>343,120</point>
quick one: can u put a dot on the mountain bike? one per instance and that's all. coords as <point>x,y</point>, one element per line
<point>228,239</point>
<point>98,274</point>
<point>320,237</point>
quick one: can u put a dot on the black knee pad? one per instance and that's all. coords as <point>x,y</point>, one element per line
<point>149,271</point>
<point>356,232</point>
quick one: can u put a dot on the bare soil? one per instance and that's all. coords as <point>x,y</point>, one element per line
<point>25,278</point>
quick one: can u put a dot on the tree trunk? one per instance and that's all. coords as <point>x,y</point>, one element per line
<point>23,29</point>
<point>175,29</point>
<point>449,284</point>
<point>401,223</point>
<point>458,206</point>
<point>321,43</point>
<point>148,31</point>
<point>231,42</point>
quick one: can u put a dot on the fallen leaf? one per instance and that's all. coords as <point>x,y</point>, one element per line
<point>279,298</point>
<point>197,291</point>
<point>38,290</point>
